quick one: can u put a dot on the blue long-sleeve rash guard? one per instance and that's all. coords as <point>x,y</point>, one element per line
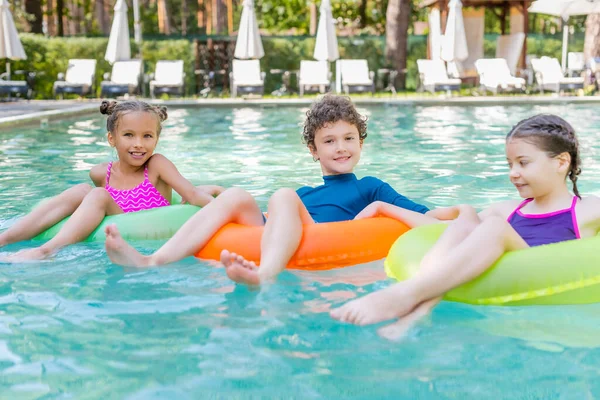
<point>342,197</point>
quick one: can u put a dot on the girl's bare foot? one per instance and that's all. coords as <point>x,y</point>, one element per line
<point>120,252</point>
<point>38,253</point>
<point>399,329</point>
<point>393,302</point>
<point>239,269</point>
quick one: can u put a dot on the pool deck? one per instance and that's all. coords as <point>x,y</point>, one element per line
<point>42,111</point>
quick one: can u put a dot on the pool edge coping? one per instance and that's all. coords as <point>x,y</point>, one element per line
<point>80,109</point>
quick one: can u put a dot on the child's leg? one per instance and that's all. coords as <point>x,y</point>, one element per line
<point>281,238</point>
<point>45,215</point>
<point>95,206</point>
<point>477,252</point>
<point>233,205</point>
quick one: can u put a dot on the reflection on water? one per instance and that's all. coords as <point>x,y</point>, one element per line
<point>185,331</point>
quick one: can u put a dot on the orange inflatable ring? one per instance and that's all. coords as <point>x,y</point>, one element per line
<point>323,246</point>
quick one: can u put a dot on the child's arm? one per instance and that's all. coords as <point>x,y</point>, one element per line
<point>98,174</point>
<point>198,196</point>
<point>588,216</point>
<point>410,218</point>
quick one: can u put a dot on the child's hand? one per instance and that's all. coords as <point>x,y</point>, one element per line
<point>204,194</point>
<point>212,190</point>
<point>370,211</point>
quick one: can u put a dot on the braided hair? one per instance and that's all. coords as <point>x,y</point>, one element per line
<point>554,136</point>
<point>116,110</point>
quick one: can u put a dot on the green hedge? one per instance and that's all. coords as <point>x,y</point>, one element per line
<point>51,55</point>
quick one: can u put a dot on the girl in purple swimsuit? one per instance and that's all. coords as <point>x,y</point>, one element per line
<point>138,180</point>
<point>542,152</point>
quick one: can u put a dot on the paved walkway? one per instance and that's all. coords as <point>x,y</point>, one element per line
<point>33,112</point>
<point>24,112</point>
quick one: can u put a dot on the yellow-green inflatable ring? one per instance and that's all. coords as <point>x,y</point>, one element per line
<point>556,274</point>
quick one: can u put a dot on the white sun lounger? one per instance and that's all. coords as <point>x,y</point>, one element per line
<point>356,76</point>
<point>314,76</point>
<point>495,76</point>
<point>549,76</point>
<point>79,78</point>
<point>168,78</point>
<point>124,79</point>
<point>246,77</point>
<point>434,77</point>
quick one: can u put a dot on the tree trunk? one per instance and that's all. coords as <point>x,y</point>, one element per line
<point>221,15</point>
<point>102,17</point>
<point>209,17</point>
<point>591,46</point>
<point>184,16</point>
<point>60,17</point>
<point>49,16</point>
<point>200,15</point>
<point>362,13</point>
<point>396,37</point>
<point>164,25</point>
<point>313,18</point>
<point>34,8</point>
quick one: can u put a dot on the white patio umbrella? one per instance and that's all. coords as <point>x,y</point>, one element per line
<point>10,44</point>
<point>326,46</point>
<point>118,48</point>
<point>248,44</point>
<point>454,42</point>
<point>565,9</point>
<point>435,34</point>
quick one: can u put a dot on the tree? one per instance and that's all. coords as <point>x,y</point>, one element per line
<point>362,13</point>
<point>396,37</point>
<point>591,46</point>
<point>34,8</point>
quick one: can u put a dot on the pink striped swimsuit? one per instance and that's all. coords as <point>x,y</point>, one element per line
<point>142,197</point>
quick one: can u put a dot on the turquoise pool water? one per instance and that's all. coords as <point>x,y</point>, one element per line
<point>78,327</point>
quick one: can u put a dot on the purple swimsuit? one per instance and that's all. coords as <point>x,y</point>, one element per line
<point>540,229</point>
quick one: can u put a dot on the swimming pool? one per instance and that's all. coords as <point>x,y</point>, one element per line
<point>79,327</point>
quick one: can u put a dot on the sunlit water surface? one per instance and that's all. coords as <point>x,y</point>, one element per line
<point>79,327</point>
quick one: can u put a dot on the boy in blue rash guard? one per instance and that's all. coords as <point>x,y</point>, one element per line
<point>334,133</point>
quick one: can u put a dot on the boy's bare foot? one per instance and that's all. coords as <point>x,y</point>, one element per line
<point>392,302</point>
<point>38,253</point>
<point>120,252</point>
<point>239,269</point>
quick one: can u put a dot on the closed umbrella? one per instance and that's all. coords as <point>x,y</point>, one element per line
<point>565,9</point>
<point>248,44</point>
<point>435,34</point>
<point>326,46</point>
<point>118,48</point>
<point>10,45</point>
<point>454,42</point>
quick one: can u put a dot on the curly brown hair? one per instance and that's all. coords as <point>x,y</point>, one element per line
<point>553,135</point>
<point>329,110</point>
<point>115,110</point>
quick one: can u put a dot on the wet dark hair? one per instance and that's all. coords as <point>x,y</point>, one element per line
<point>329,110</point>
<point>115,110</point>
<point>553,135</point>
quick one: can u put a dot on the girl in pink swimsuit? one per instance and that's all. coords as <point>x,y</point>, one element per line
<point>138,180</point>
<point>542,152</point>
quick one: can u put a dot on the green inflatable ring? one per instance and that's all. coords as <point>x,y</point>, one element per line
<point>555,274</point>
<point>155,224</point>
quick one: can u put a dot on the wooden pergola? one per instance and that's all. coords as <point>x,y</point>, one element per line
<point>500,8</point>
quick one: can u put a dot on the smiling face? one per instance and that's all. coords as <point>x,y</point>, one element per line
<point>337,146</point>
<point>135,138</point>
<point>532,171</point>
